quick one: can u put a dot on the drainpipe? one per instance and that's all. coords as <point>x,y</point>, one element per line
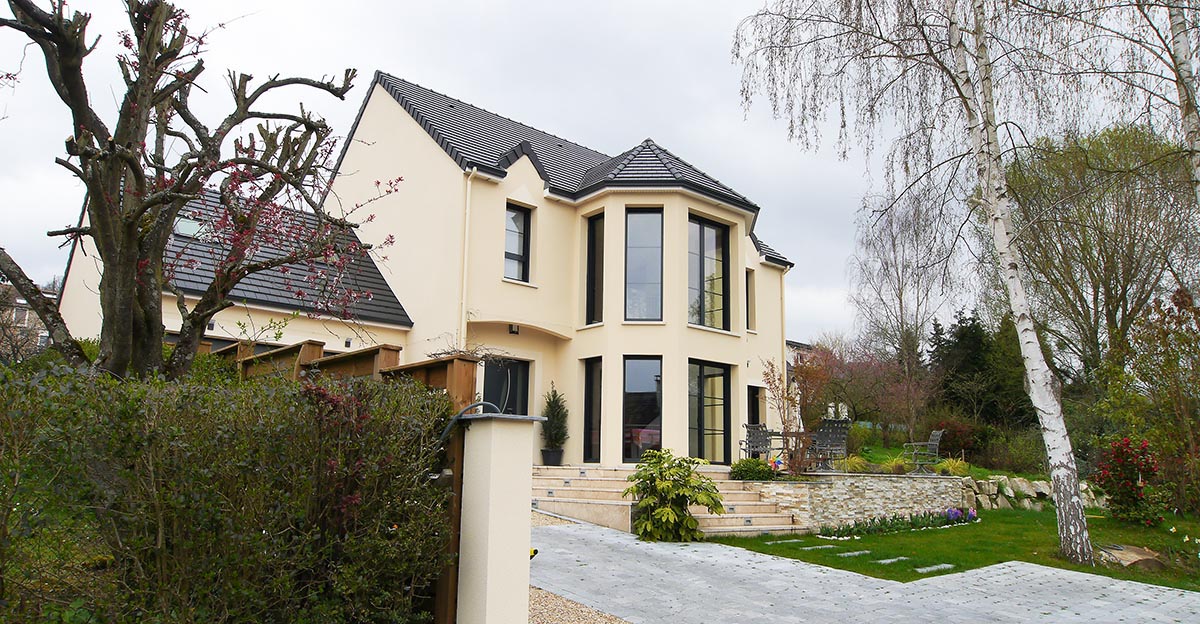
<point>466,257</point>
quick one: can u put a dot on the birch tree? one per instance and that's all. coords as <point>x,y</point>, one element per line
<point>931,74</point>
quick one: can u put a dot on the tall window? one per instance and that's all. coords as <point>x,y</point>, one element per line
<point>708,411</point>
<point>516,243</point>
<point>595,270</point>
<point>591,409</point>
<point>751,298</point>
<point>643,264</point>
<point>708,273</point>
<point>506,385</point>
<point>642,426</point>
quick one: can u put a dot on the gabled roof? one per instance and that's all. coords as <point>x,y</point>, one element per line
<point>194,261</point>
<point>474,137</point>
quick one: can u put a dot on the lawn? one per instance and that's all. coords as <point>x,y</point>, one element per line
<point>881,454</point>
<point>1001,536</point>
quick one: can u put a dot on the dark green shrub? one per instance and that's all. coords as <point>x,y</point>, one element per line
<point>664,486</point>
<point>751,469</point>
<point>861,436</point>
<point>554,430</point>
<point>263,501</point>
<point>1015,450</point>
<point>1124,469</point>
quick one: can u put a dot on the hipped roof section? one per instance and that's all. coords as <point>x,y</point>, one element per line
<point>477,138</point>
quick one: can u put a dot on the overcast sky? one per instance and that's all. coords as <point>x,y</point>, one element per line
<point>604,74</point>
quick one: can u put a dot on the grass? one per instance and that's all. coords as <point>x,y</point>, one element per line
<point>1002,536</point>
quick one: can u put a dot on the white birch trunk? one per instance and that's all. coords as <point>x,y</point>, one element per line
<point>979,107</point>
<point>1185,84</point>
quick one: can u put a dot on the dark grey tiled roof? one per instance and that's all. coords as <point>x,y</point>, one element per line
<point>474,137</point>
<point>194,261</point>
<point>771,255</point>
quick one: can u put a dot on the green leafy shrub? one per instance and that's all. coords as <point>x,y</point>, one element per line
<point>962,437</point>
<point>1124,469</point>
<point>852,463</point>
<point>554,430</point>
<point>751,469</point>
<point>664,486</point>
<point>861,436</point>
<point>953,466</point>
<point>1014,450</point>
<point>266,500</point>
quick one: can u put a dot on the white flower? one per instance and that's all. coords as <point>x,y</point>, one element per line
<point>1172,529</point>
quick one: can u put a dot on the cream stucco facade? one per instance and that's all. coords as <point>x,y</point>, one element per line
<point>447,267</point>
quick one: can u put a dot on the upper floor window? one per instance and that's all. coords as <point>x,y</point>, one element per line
<point>20,317</point>
<point>708,273</point>
<point>516,243</point>
<point>595,270</point>
<point>751,301</point>
<point>643,264</point>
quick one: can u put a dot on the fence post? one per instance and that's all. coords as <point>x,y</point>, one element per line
<point>493,574</point>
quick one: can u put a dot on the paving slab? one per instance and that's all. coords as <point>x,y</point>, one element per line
<point>708,583</point>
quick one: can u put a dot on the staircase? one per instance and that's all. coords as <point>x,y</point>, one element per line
<point>594,494</point>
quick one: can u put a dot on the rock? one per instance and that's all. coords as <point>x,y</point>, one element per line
<point>1022,487</point>
<point>1134,557</point>
<point>988,488</point>
<point>1024,503</point>
<point>968,482</point>
<point>1042,489</point>
<point>1087,498</point>
<point>1003,486</point>
<point>1002,503</point>
<point>1038,506</point>
<point>968,500</point>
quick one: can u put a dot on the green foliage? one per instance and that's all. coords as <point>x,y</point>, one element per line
<point>852,463</point>
<point>223,501</point>
<point>982,373</point>
<point>894,524</point>
<point>861,437</point>
<point>554,430</point>
<point>751,469</point>
<point>895,465</point>
<point>953,466</point>
<point>1014,450</point>
<point>664,487</point>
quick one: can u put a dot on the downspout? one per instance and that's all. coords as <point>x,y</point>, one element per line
<point>466,257</point>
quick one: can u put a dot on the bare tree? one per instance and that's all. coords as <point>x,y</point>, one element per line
<point>263,171</point>
<point>927,72</point>
<point>1105,223</point>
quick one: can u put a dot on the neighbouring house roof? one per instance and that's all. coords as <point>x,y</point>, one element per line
<point>771,255</point>
<point>474,137</point>
<point>194,260</point>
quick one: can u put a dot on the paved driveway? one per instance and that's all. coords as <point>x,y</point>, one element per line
<point>712,583</point>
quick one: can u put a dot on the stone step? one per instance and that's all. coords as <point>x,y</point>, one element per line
<point>581,482</point>
<point>748,507</point>
<point>719,473</point>
<point>612,514</point>
<point>588,493</point>
<point>707,520</point>
<point>754,531</point>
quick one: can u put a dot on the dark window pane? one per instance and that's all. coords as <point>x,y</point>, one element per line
<point>516,243</point>
<point>642,427</point>
<point>643,265</point>
<point>595,270</point>
<point>591,409</point>
<point>506,385</point>
<point>708,412</point>
<point>707,273</point>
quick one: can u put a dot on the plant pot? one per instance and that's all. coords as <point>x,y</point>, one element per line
<point>552,457</point>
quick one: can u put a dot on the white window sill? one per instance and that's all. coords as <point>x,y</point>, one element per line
<point>509,280</point>
<point>753,332</point>
<point>592,326</point>
<point>712,329</point>
<point>644,323</point>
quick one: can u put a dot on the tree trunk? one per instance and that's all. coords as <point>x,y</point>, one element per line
<point>1185,84</point>
<point>46,310</point>
<point>1044,389</point>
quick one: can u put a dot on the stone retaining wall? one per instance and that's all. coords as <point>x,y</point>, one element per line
<point>842,498</point>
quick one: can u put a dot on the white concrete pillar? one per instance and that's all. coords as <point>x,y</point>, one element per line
<point>493,581</point>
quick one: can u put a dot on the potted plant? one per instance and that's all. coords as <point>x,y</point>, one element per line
<point>554,430</point>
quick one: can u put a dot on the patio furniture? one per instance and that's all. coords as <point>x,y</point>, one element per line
<point>759,441</point>
<point>829,441</point>
<point>799,448</point>
<point>923,454</point>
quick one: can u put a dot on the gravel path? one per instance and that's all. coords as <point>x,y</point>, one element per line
<point>548,608</point>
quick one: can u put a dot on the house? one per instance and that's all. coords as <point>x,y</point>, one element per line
<point>22,334</point>
<point>633,283</point>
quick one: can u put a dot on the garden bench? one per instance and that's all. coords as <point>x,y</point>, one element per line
<point>759,441</point>
<point>923,454</point>
<point>829,441</point>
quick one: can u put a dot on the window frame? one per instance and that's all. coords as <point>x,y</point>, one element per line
<point>625,428</point>
<point>523,259</point>
<point>593,409</point>
<point>594,297</point>
<point>661,235</point>
<point>723,241</point>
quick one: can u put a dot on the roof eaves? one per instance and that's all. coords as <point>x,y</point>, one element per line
<point>686,184</point>
<point>524,148</point>
<point>425,124</point>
